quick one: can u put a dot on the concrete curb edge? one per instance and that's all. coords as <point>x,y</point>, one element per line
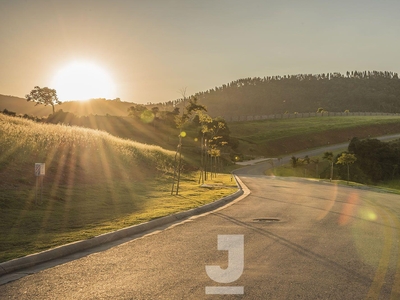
<point>64,250</point>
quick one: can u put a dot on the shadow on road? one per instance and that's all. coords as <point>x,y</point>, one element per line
<point>300,249</point>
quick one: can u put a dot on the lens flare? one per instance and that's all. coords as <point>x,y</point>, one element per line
<point>349,209</point>
<point>368,214</point>
<point>147,116</point>
<point>329,204</point>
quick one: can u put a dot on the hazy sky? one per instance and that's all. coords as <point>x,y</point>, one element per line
<point>154,48</point>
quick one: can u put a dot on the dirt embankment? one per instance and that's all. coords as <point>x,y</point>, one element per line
<point>335,136</point>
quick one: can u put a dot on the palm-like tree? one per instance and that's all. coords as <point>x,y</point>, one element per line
<point>347,159</point>
<point>329,157</point>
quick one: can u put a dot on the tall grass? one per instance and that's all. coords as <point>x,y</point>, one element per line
<point>21,139</point>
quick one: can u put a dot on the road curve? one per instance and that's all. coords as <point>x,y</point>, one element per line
<point>303,239</point>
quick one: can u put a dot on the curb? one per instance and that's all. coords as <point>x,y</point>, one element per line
<point>64,250</point>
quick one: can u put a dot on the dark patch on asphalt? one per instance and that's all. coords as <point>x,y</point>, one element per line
<point>267,219</point>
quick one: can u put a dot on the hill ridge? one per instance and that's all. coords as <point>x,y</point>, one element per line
<point>372,91</point>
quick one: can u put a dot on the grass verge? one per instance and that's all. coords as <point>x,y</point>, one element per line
<point>84,211</point>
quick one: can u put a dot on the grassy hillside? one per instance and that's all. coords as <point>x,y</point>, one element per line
<point>283,136</point>
<point>100,107</point>
<point>20,106</point>
<point>24,142</point>
<point>124,127</point>
<point>94,183</point>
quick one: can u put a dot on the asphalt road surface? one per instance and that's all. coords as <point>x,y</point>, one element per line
<point>288,239</point>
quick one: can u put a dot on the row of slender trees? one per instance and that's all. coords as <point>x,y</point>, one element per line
<point>365,161</point>
<point>213,136</point>
<point>345,159</point>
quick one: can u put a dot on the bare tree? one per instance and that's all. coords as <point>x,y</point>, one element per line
<point>181,120</point>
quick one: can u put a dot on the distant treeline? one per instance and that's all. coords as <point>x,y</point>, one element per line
<point>25,116</point>
<point>371,91</point>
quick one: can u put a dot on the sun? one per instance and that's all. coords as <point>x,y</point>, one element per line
<point>82,81</point>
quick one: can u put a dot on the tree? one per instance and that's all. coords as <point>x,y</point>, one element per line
<point>181,120</point>
<point>294,160</point>
<point>136,110</point>
<point>346,159</point>
<point>155,111</point>
<point>141,112</point>
<point>204,120</point>
<point>216,135</point>
<point>329,157</point>
<point>44,96</point>
<point>306,161</point>
<point>316,162</point>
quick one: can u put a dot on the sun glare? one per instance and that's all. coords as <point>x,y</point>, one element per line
<point>83,81</point>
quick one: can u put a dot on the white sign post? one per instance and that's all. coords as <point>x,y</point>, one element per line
<point>39,173</point>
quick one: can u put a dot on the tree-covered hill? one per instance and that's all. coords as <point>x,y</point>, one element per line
<point>370,91</point>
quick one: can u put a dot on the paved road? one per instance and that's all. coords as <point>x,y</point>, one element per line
<point>330,242</point>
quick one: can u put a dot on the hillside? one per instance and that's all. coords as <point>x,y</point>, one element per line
<point>100,107</point>
<point>125,127</point>
<point>20,106</point>
<point>95,155</point>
